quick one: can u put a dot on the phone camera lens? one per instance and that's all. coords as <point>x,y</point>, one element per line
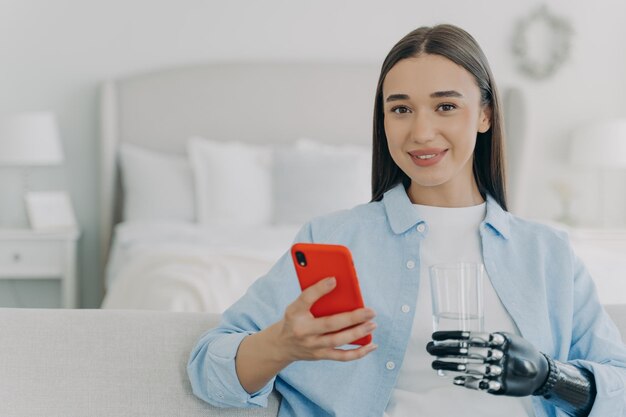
<point>300,258</point>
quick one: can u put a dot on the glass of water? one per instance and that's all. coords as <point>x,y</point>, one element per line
<point>457,297</point>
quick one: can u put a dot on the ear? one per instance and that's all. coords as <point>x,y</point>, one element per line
<point>485,119</point>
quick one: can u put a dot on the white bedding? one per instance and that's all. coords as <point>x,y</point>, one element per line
<point>186,267</point>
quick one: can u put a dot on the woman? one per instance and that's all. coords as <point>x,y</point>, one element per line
<point>438,196</point>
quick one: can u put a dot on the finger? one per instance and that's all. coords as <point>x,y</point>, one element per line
<point>482,369</point>
<point>477,383</point>
<point>445,349</point>
<point>342,355</point>
<point>492,339</point>
<point>310,295</point>
<point>460,350</point>
<point>448,366</point>
<point>345,320</point>
<point>451,334</point>
<point>347,336</point>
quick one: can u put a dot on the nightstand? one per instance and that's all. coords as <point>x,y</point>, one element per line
<point>41,255</point>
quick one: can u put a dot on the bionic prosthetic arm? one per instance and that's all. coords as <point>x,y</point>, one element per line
<point>506,364</point>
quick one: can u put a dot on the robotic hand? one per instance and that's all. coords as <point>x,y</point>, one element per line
<point>506,364</point>
<point>499,363</point>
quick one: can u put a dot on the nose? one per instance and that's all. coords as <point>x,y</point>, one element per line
<point>422,128</point>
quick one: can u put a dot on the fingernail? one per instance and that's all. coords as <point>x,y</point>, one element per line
<point>331,282</point>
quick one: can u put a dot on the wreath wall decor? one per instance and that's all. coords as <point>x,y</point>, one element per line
<point>555,50</point>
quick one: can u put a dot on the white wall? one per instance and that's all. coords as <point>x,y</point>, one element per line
<point>56,52</point>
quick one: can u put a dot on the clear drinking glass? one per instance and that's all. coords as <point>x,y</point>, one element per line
<point>457,297</point>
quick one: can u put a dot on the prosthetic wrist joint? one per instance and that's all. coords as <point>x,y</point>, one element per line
<point>571,389</point>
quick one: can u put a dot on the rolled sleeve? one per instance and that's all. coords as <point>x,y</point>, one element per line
<point>213,374</point>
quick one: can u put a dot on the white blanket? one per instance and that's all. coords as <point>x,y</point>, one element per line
<point>188,268</point>
<point>185,267</point>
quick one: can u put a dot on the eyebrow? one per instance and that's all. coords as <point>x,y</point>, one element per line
<point>449,93</point>
<point>436,94</point>
<point>396,97</point>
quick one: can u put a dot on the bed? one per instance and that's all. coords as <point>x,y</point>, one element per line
<point>208,171</point>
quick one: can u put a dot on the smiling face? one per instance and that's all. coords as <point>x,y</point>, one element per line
<point>432,114</point>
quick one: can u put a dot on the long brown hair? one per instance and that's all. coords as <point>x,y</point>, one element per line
<point>461,48</point>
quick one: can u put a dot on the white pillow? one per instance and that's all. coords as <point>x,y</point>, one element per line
<point>157,185</point>
<point>312,178</point>
<point>233,182</point>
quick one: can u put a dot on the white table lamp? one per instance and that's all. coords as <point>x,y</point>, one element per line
<point>30,139</point>
<point>601,146</point>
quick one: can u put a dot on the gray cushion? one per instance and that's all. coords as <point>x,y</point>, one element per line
<point>102,363</point>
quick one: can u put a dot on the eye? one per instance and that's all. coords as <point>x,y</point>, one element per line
<point>446,107</point>
<point>400,109</point>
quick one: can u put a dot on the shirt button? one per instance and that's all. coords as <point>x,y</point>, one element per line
<point>406,308</point>
<point>421,227</point>
<point>390,365</point>
<point>410,264</point>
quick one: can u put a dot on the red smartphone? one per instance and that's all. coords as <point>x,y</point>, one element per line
<point>316,261</point>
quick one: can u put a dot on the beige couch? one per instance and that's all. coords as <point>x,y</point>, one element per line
<point>110,363</point>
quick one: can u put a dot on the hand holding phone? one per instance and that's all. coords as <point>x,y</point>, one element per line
<point>313,263</point>
<point>300,336</point>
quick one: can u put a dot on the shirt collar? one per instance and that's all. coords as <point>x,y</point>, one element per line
<point>402,215</point>
<point>497,218</point>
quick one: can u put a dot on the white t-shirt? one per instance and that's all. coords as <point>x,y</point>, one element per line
<point>452,236</point>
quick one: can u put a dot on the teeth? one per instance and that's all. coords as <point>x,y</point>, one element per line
<point>426,156</point>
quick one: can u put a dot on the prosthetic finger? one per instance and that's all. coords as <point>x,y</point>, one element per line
<point>477,383</point>
<point>485,339</point>
<point>476,352</point>
<point>482,369</point>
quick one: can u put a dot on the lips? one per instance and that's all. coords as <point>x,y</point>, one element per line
<point>427,157</point>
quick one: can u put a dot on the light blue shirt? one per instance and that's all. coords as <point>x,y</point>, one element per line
<point>543,285</point>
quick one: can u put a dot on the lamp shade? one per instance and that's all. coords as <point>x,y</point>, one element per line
<point>600,145</point>
<point>28,139</point>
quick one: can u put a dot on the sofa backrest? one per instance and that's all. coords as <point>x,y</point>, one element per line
<point>86,363</point>
<point>112,363</point>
